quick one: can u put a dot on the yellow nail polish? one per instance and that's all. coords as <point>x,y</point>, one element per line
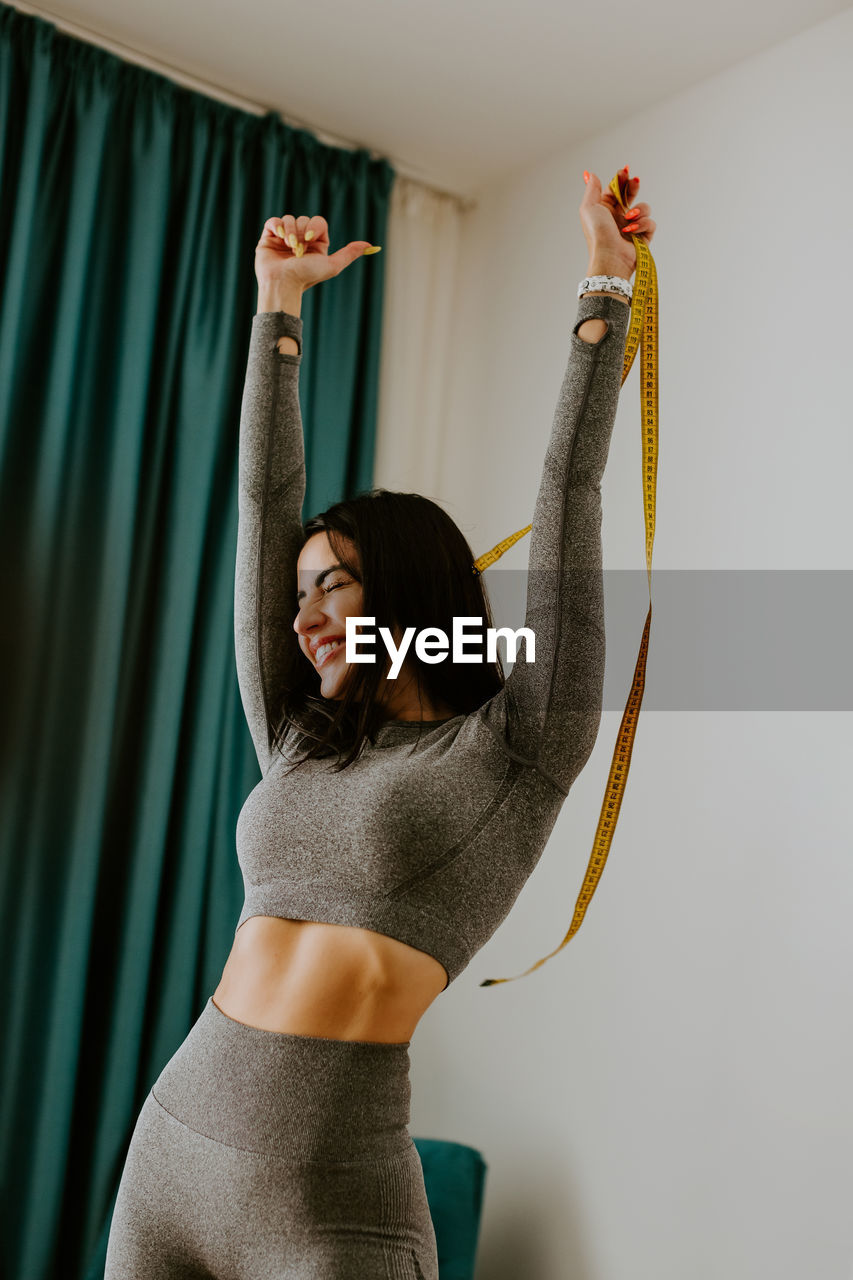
<point>373,249</point>
<point>280,232</point>
<point>309,234</point>
<point>292,241</point>
<point>299,250</point>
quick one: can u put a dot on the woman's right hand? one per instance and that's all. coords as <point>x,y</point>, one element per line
<point>305,260</point>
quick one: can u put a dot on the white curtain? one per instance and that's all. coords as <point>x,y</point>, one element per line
<point>423,247</point>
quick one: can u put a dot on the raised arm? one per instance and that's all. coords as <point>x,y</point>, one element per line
<point>549,711</point>
<point>553,705</point>
<point>269,531</point>
<point>291,256</point>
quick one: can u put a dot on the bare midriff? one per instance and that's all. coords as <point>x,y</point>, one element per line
<point>336,981</point>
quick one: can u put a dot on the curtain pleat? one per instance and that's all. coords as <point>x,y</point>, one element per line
<point>425,264</point>
<point>129,211</point>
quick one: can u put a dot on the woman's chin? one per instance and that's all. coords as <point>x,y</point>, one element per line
<point>332,683</point>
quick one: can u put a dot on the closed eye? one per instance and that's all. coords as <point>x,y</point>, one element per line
<point>326,591</point>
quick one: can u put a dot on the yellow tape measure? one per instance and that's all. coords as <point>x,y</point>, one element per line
<point>642,335</point>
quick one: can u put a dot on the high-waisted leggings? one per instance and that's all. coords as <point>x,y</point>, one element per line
<point>263,1155</point>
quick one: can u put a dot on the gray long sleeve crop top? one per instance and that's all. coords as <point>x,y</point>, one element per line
<point>428,842</point>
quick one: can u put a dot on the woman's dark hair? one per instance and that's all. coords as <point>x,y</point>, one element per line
<point>416,570</point>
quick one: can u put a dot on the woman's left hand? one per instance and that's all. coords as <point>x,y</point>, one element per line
<point>608,230</point>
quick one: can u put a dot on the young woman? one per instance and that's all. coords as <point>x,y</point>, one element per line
<point>396,822</point>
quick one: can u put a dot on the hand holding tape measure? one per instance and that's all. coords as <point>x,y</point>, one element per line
<point>607,219</point>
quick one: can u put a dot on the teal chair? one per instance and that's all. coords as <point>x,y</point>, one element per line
<point>454,1177</point>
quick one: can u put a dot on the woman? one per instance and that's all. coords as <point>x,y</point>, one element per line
<point>275,1142</point>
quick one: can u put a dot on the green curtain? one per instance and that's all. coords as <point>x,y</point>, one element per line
<point>129,212</point>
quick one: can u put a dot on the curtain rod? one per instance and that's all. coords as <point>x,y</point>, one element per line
<point>211,90</point>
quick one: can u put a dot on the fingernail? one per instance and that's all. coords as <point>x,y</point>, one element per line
<point>309,234</point>
<point>280,232</point>
<point>585,176</point>
<point>299,250</point>
<point>292,241</point>
<point>375,248</point>
<point>635,213</point>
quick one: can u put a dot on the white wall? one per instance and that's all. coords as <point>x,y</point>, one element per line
<point>669,1096</point>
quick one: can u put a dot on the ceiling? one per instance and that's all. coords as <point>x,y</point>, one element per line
<point>455,93</point>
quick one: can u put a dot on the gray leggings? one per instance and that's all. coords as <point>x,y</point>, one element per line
<point>262,1155</point>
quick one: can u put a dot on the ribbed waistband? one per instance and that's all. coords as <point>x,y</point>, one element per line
<point>307,1097</point>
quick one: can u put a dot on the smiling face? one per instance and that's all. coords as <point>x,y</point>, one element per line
<point>327,595</point>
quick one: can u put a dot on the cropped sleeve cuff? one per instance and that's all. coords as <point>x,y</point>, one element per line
<point>269,326</point>
<point>616,313</point>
